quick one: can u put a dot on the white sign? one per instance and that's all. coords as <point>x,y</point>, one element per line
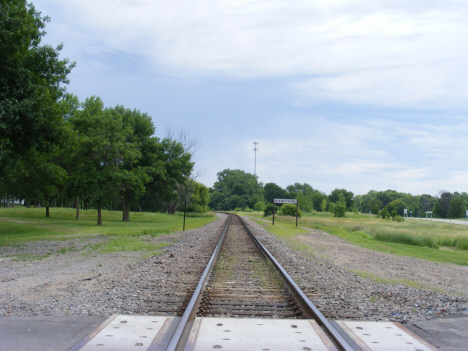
<point>285,201</point>
<point>466,213</point>
<point>406,211</point>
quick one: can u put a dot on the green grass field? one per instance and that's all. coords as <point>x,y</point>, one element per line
<point>435,241</point>
<point>20,225</point>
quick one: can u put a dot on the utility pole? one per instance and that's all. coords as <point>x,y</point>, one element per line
<point>255,149</point>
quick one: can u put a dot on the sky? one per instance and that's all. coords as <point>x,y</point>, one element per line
<point>361,95</point>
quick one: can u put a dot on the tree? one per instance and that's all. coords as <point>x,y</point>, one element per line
<point>235,188</point>
<point>268,210</point>
<point>375,205</point>
<point>348,195</point>
<point>398,206</point>
<point>296,187</point>
<point>104,148</point>
<point>339,210</point>
<point>323,205</point>
<point>305,203</point>
<point>259,206</point>
<point>31,84</point>
<point>442,204</point>
<point>457,208</point>
<point>199,199</point>
<point>274,191</point>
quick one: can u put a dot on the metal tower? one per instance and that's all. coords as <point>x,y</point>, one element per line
<point>255,149</point>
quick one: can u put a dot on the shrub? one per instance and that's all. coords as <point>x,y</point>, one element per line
<point>398,218</point>
<point>289,210</point>
<point>268,210</point>
<point>384,214</point>
<point>355,228</point>
<point>259,206</point>
<point>237,209</point>
<point>247,209</point>
<point>394,213</point>
<point>339,211</point>
<point>331,207</point>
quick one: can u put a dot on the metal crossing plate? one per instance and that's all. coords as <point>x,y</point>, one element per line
<point>127,333</point>
<point>240,334</point>
<point>382,336</point>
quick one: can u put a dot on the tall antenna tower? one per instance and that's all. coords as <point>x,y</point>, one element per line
<point>255,149</point>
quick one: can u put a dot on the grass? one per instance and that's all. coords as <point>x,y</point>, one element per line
<point>20,225</point>
<point>434,241</point>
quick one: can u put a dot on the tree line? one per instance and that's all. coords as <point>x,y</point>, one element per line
<point>236,189</point>
<point>56,149</point>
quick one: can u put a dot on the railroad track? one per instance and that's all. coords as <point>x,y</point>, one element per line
<point>244,284</point>
<point>242,279</point>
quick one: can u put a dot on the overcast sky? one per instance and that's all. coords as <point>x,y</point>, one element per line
<point>339,94</point>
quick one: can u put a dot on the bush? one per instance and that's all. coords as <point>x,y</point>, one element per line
<point>384,214</point>
<point>289,210</point>
<point>393,213</point>
<point>237,209</point>
<point>340,211</point>
<point>247,209</point>
<point>268,210</point>
<point>331,207</point>
<point>398,218</point>
<point>259,206</point>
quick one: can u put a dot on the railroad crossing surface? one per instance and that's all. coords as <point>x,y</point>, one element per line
<point>239,334</point>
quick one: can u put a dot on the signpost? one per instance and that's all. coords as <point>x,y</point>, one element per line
<point>285,201</point>
<point>428,212</point>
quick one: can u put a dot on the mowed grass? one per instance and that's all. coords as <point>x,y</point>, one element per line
<point>20,225</point>
<point>434,241</point>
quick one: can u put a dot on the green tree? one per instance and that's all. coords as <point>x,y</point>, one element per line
<point>274,191</point>
<point>398,206</point>
<point>457,208</point>
<point>259,206</point>
<point>31,84</point>
<point>339,210</point>
<point>442,204</point>
<point>305,203</point>
<point>323,205</point>
<point>104,147</point>
<point>348,195</point>
<point>268,210</point>
<point>199,198</point>
<point>235,188</point>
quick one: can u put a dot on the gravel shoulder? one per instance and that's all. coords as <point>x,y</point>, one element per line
<point>450,278</point>
<point>82,281</point>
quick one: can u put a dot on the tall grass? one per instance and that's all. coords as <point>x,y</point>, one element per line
<point>434,241</point>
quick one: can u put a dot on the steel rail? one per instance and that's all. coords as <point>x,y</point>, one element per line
<point>182,331</point>
<point>307,306</point>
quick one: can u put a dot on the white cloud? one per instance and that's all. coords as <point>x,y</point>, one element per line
<point>365,52</point>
